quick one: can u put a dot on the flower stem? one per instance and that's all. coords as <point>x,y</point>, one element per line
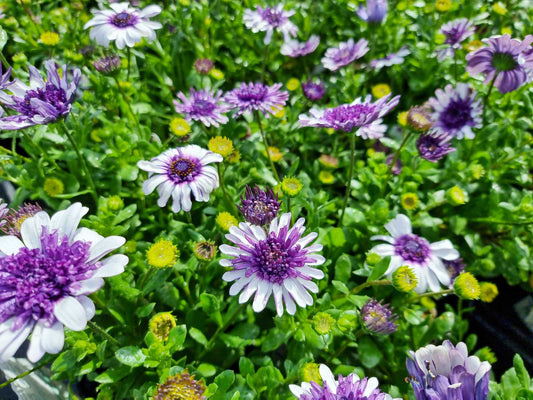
<point>129,62</point>
<point>39,149</point>
<point>350,175</point>
<point>128,103</point>
<point>429,294</point>
<point>397,154</point>
<point>223,187</point>
<point>484,113</point>
<point>265,142</point>
<point>96,329</point>
<point>4,61</point>
<point>22,375</point>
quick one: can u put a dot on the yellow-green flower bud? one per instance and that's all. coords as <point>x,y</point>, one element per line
<point>323,323</point>
<point>466,286</point>
<point>404,279</point>
<point>456,196</point>
<point>489,291</point>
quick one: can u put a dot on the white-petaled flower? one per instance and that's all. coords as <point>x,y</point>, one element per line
<point>46,278</point>
<point>269,19</point>
<point>123,24</point>
<point>347,52</point>
<point>424,258</point>
<point>180,171</point>
<point>275,262</point>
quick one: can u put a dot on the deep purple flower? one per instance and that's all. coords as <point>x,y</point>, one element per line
<point>501,59</point>
<point>456,32</point>
<point>337,57</point>
<point>277,261</point>
<point>108,65</point>
<point>360,114</point>
<point>454,268</point>
<point>294,48</point>
<point>203,65</point>
<point>313,91</point>
<point>269,19</point>
<point>43,101</point>
<point>397,167</point>
<point>378,318</point>
<point>434,145</point>
<point>374,12</point>
<point>15,218</point>
<point>256,96</point>
<point>456,111</point>
<point>46,278</point>
<point>204,106</point>
<point>259,207</point>
<point>4,78</point>
<point>446,372</point>
<point>390,59</point>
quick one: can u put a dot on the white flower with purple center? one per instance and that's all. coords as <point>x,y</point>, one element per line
<point>269,19</point>
<point>456,32</point>
<point>203,106</point>
<point>124,24</point>
<point>424,258</point>
<point>456,111</point>
<point>362,115</point>
<point>390,59</point>
<point>275,262</point>
<point>347,52</point>
<point>46,278</point>
<point>294,48</point>
<point>250,97</point>
<point>180,172</point>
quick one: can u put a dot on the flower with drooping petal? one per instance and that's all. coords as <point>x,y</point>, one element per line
<point>275,262</point>
<point>456,32</point>
<point>180,172</point>
<point>434,145</point>
<point>46,277</point>
<point>374,12</point>
<point>204,106</point>
<point>259,207</point>
<point>362,115</point>
<point>293,48</point>
<point>249,97</point>
<point>41,102</point>
<point>124,24</point>
<point>390,59</point>
<point>378,318</point>
<point>446,372</point>
<point>269,19</point>
<point>347,52</point>
<point>425,259</point>
<point>313,90</point>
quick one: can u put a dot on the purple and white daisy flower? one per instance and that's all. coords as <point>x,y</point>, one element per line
<point>204,106</point>
<point>501,61</point>
<point>293,48</point>
<point>269,19</point>
<point>347,52</point>
<point>456,111</point>
<point>41,102</point>
<point>378,318</point>
<point>424,258</point>
<point>351,387</point>
<point>124,24</point>
<point>456,32</point>
<point>447,372</point>
<point>362,115</point>
<point>250,97</point>
<point>390,59</point>
<point>374,12</point>
<point>259,207</point>
<point>180,171</point>
<point>46,278</point>
<point>277,261</point>
<point>313,91</point>
<point>434,145</point>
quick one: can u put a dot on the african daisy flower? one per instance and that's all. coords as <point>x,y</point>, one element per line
<point>378,318</point>
<point>41,102</point>
<point>313,91</point>
<point>269,19</point>
<point>277,261</point>
<point>425,259</point>
<point>501,61</point>
<point>46,278</point>
<point>456,32</point>
<point>360,114</point>
<point>294,48</point>
<point>203,106</point>
<point>259,207</point>
<point>124,24</point>
<point>390,59</point>
<point>434,146</point>
<point>456,111</point>
<point>256,96</point>
<point>347,52</point>
<point>375,11</point>
<point>351,387</point>
<point>180,171</point>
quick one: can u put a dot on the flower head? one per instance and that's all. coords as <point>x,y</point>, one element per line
<point>409,201</point>
<point>434,145</point>
<point>15,218</point>
<point>291,186</point>
<point>180,386</point>
<point>124,24</point>
<point>313,91</point>
<point>108,65</point>
<point>49,38</point>
<point>203,65</point>
<point>42,101</point>
<point>456,32</point>
<point>180,171</point>
<point>277,261</point>
<point>268,20</point>
<point>249,97</point>
<point>323,323</point>
<point>205,250</point>
<point>203,106</point>
<point>420,118</point>
<point>424,258</point>
<point>404,280</point>
<point>380,90</point>
<point>259,207</point>
<point>347,52</point>
<point>180,127</point>
<point>53,187</point>
<point>161,324</point>
<point>46,278</point>
<point>293,48</point>
<point>378,318</point>
<point>375,11</point>
<point>221,145</point>
<point>225,220</point>
<point>390,59</point>
<point>447,372</point>
<point>488,293</point>
<point>466,286</point>
<point>162,254</point>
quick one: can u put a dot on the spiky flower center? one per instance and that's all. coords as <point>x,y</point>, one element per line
<point>254,94</point>
<point>273,17</point>
<point>161,324</point>
<point>457,114</point>
<point>49,94</point>
<point>203,107</point>
<point>124,20</point>
<point>182,169</point>
<point>348,117</point>
<point>412,248</point>
<point>180,387</point>
<point>504,61</point>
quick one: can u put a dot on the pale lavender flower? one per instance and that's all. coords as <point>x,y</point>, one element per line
<point>269,19</point>
<point>347,52</point>
<point>374,12</point>
<point>108,65</point>
<point>362,115</point>
<point>390,59</point>
<point>424,258</point>
<point>204,106</point>
<point>274,262</point>
<point>4,78</point>
<point>249,97</point>
<point>46,278</point>
<point>124,24</point>
<point>456,111</point>
<point>42,101</point>
<point>378,318</point>
<point>434,145</point>
<point>15,218</point>
<point>456,32</point>
<point>180,172</point>
<point>313,91</point>
<point>203,65</point>
<point>259,207</point>
<point>446,372</point>
<point>293,48</point>
<point>3,212</point>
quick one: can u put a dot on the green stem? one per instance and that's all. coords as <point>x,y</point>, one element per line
<point>128,104</point>
<point>96,329</point>
<point>429,294</point>
<point>382,282</point>
<point>350,175</point>
<point>3,59</point>
<point>265,142</point>
<point>223,187</point>
<point>484,113</point>
<point>397,154</point>
<point>129,63</point>
<point>39,149</point>
<point>38,366</point>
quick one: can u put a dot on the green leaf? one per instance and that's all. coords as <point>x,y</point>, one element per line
<point>414,317</point>
<point>113,375</point>
<point>343,268</point>
<point>176,338</point>
<point>129,172</point>
<point>211,390</point>
<point>198,336</point>
<point>130,355</point>
<point>206,370</point>
<point>143,311</point>
<point>369,352</point>
<point>336,237</point>
<point>225,379</point>
<point>3,39</point>
<point>340,286</point>
<point>379,269</point>
<point>246,367</point>
<point>524,394</point>
<point>521,371</point>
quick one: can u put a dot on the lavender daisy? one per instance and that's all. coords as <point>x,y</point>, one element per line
<point>259,207</point>
<point>313,91</point>
<point>456,111</point>
<point>294,48</point>
<point>500,61</point>
<point>124,24</point>
<point>347,52</point>
<point>378,318</point>
<point>42,101</point>
<point>46,278</point>
<point>374,12</point>
<point>434,145</point>
<point>268,20</point>
<point>390,59</point>
<point>275,261</point>
<point>456,32</point>
<point>257,97</point>
<point>446,372</point>
<point>424,258</point>
<point>204,106</point>
<point>361,115</point>
<point>180,171</point>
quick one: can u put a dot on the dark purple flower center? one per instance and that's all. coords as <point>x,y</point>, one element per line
<point>343,55</point>
<point>313,91</point>
<point>183,169</point>
<point>50,94</point>
<point>259,207</point>
<point>454,35</point>
<point>124,20</point>
<point>412,248</point>
<point>254,94</point>
<point>273,17</point>
<point>504,62</point>
<point>457,114</point>
<point>348,117</point>
<point>203,107</point>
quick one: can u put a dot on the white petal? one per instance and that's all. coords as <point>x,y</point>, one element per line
<point>384,238</point>
<point>88,286</point>
<point>289,302</point>
<point>383,250</point>
<point>88,306</point>
<point>10,340</point>
<point>10,245</point>
<point>53,338</point>
<point>401,225</point>
<point>66,221</point>
<point>35,349</point>
<point>71,313</point>
<point>112,266</point>
<point>248,291</point>
<point>264,289</point>
<point>32,228</point>
<point>238,285</point>
<point>105,246</point>
<point>328,378</point>
<point>444,249</point>
<point>86,235</point>
<point>278,299</point>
